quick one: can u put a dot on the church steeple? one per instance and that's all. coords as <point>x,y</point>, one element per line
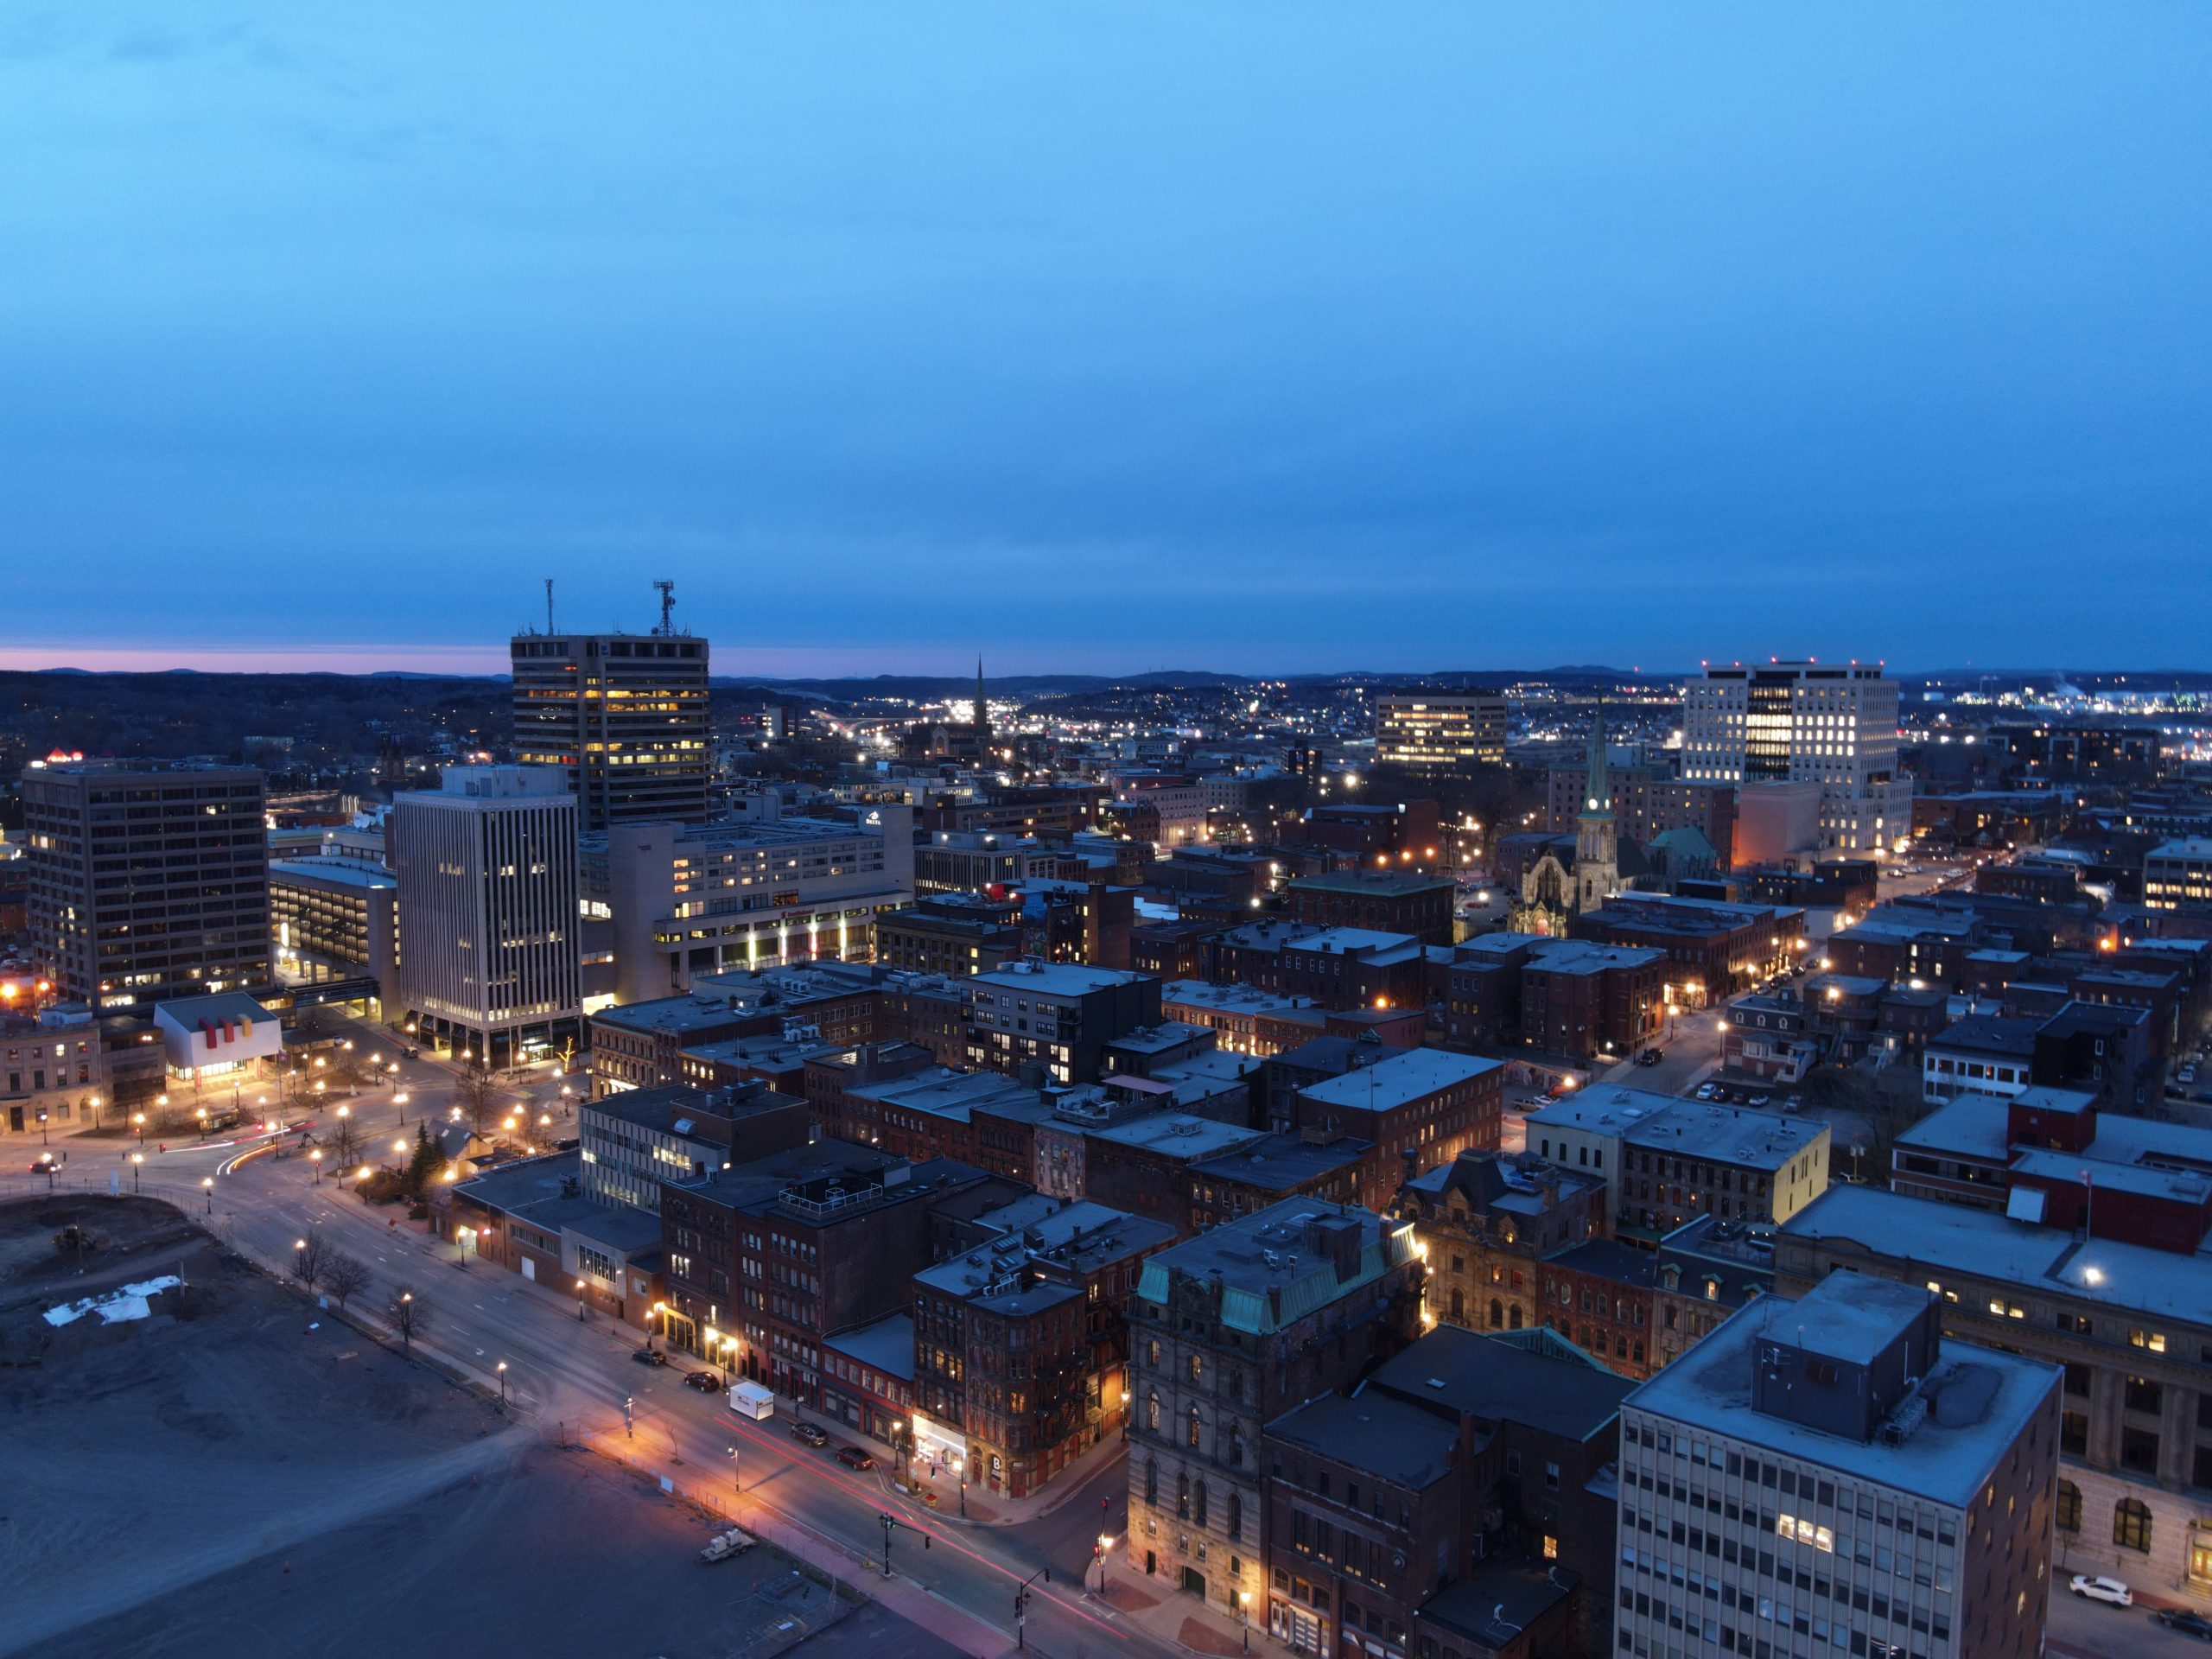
<point>1597,793</point>
<point>1596,854</point>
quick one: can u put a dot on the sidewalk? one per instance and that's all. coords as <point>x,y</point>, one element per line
<point>989,1509</point>
<point>1173,1616</point>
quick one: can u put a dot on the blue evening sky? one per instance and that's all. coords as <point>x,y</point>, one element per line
<point>1108,336</point>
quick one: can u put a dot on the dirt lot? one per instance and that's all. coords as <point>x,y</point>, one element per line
<point>239,1475</point>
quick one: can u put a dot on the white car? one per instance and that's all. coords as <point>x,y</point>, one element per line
<point>2109,1590</point>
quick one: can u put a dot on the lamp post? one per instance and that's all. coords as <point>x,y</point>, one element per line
<point>406,1321</point>
<point>736,1471</point>
<point>137,1160</point>
<point>94,1102</point>
<point>139,1118</point>
<point>208,1185</point>
<point>660,1318</point>
<point>1105,1542</point>
<point>1244,1616</point>
<point>202,1114</point>
<point>580,1302</point>
<point>502,1369</point>
<point>361,1182</point>
<point>315,1157</point>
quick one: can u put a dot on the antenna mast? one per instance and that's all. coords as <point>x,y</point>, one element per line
<point>667,604</point>
<point>549,604</point>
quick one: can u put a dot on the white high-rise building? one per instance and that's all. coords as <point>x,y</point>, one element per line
<point>489,962</point>
<point>1802,723</point>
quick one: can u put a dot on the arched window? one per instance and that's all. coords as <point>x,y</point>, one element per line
<point>1513,1317</point>
<point>1183,1495</point>
<point>1191,1436</point>
<point>2131,1524</point>
<point>1237,1443</point>
<point>1152,1411</point>
<point>1198,1505</point>
<point>2070,1507</point>
<point>1496,1314</point>
<point>1237,1514</point>
<point>1459,1307</point>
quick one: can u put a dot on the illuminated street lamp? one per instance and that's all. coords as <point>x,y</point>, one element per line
<point>315,1157</point>
<point>363,1180</point>
<point>502,1369</point>
<point>580,1302</point>
<point>208,1185</point>
<point>139,1118</point>
<point>137,1159</point>
<point>1244,1616</point>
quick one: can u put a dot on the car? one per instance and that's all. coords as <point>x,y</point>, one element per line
<point>1650,1057</point>
<point>2111,1590</point>
<point>2188,1624</point>
<point>705,1382</point>
<point>852,1458</point>
<point>649,1357</point>
<point>1761,1100</point>
<point>1737,1097</point>
<point>1790,1105</point>
<point>810,1432</point>
<point>1707,1091</point>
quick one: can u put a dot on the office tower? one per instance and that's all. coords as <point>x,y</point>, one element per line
<point>1440,732</point>
<point>1828,1476</point>
<point>1805,722</point>
<point>148,880</point>
<point>488,923</point>
<point>624,714</point>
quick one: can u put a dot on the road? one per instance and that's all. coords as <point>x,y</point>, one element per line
<point>573,1378</point>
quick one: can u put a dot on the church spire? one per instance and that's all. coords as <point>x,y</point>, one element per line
<point>1597,793</point>
<point>982,708</point>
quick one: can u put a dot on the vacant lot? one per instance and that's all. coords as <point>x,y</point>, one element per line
<point>239,1475</point>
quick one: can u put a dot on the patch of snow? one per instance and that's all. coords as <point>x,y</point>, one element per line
<point>117,1305</point>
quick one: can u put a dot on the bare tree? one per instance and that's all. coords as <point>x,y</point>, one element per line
<point>347,1277</point>
<point>311,1259</point>
<point>408,1314</point>
<point>345,1144</point>
<point>478,1096</point>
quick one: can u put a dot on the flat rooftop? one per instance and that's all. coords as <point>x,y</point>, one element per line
<point>1740,1135</point>
<point>1401,1075</point>
<point>1936,1240</point>
<point>1178,1136</point>
<point>1496,1382</point>
<point>1283,1163</point>
<point>1378,1433</point>
<point>1223,999</point>
<point>1979,1400</point>
<point>1055,978</point>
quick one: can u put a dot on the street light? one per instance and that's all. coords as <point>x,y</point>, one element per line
<point>737,1472</point>
<point>137,1159</point>
<point>400,1147</point>
<point>363,1178</point>
<point>1105,1542</point>
<point>1244,1616</point>
<point>503,1384</point>
<point>580,1302</point>
<point>660,1313</point>
<point>208,1185</point>
<point>139,1118</point>
<point>315,1157</point>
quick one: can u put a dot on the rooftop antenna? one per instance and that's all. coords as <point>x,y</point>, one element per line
<point>667,604</point>
<point>549,604</point>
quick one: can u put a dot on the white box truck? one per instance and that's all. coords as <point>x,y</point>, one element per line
<point>751,1400</point>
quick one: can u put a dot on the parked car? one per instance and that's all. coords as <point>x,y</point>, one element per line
<point>2188,1624</point>
<point>2102,1589</point>
<point>852,1458</point>
<point>1707,1091</point>
<point>1761,1100</point>
<point>705,1382</point>
<point>649,1357</point>
<point>809,1433</point>
<point>1650,1057</point>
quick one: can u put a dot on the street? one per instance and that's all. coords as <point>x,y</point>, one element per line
<point>572,1379</point>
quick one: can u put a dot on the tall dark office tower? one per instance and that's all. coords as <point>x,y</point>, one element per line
<point>624,714</point>
<point>149,881</point>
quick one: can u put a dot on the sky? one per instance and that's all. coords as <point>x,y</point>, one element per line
<point>1107,337</point>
